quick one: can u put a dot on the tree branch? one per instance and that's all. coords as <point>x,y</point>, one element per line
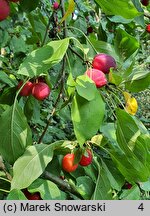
<point>56,102</point>
<point>63,185</point>
<point>62,77</point>
<point>77,54</point>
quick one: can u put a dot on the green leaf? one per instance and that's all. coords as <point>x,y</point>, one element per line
<point>124,8</point>
<point>140,125</point>
<point>54,166</point>
<point>8,95</point>
<point>16,194</point>
<point>70,85</point>
<point>4,59</point>
<point>18,44</point>
<point>3,107</point>
<point>119,19</point>
<point>4,37</point>
<point>47,189</point>
<point>91,171</point>
<point>115,78</point>
<point>14,132</point>
<point>29,107</point>
<point>142,144</point>
<point>140,19</point>
<point>86,87</point>
<point>131,194</point>
<point>87,116</point>
<point>32,164</point>
<point>82,25</point>
<point>109,131</point>
<point>133,165</point>
<point>38,24</point>
<point>130,167</point>
<point>125,44</point>
<point>113,174</point>
<point>77,67</point>
<point>127,131</point>
<point>41,59</point>
<point>98,140</point>
<point>145,185</point>
<point>103,189</point>
<point>5,79</point>
<point>139,81</point>
<point>85,186</point>
<point>28,6</point>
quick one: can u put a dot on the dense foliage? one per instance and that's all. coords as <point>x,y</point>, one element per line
<point>71,76</point>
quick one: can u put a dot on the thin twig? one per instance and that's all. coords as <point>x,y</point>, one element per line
<point>4,179</point>
<point>61,76</point>
<point>47,27</point>
<point>77,54</point>
<point>64,22</point>
<point>5,191</point>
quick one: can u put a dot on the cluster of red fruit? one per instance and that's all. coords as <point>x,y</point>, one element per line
<point>5,8</point>
<point>39,90</point>
<point>68,161</point>
<point>101,65</point>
